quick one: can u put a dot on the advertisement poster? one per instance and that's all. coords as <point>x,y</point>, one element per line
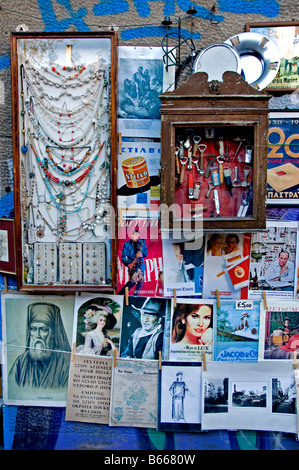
<point>89,390</point>
<point>142,77</point>
<point>97,324</point>
<point>234,393</point>
<point>192,330</point>
<point>273,261</point>
<point>134,394</point>
<point>226,265</point>
<point>286,39</point>
<point>237,331</point>
<point>179,407</point>
<point>279,334</point>
<point>138,179</point>
<point>139,258</point>
<point>283,159</point>
<point>37,338</point>
<point>185,271</point>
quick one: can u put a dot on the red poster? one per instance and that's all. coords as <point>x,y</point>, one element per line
<point>139,258</point>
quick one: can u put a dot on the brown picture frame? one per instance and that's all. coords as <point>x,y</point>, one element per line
<point>7,247</point>
<point>98,54</point>
<point>283,38</point>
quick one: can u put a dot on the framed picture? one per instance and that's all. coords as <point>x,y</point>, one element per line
<point>64,127</point>
<point>7,247</point>
<point>285,35</point>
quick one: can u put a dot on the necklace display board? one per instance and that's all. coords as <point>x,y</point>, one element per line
<point>214,154</point>
<point>64,127</point>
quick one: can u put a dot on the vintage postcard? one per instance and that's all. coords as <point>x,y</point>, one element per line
<point>185,271</point>
<point>134,394</point>
<point>97,324</point>
<point>237,331</point>
<point>226,265</point>
<point>192,330</point>
<point>89,389</point>
<point>142,77</point>
<point>145,328</point>
<point>232,393</point>
<point>279,333</point>
<point>179,406</point>
<point>273,261</point>
<point>37,335</point>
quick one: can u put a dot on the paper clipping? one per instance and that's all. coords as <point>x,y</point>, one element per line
<point>233,393</point>
<point>134,396</point>
<point>179,396</point>
<point>89,389</point>
<point>226,265</point>
<point>237,331</point>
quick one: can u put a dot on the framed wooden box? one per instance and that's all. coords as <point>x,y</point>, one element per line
<point>214,154</point>
<point>64,154</point>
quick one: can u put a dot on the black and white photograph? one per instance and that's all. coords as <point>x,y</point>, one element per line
<point>144,323</point>
<point>179,405</point>
<point>37,334</point>
<point>284,395</point>
<point>249,394</point>
<point>216,395</point>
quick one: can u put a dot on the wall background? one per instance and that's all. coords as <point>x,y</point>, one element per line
<point>139,24</point>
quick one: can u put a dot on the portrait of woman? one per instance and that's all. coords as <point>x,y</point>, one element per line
<point>99,319</point>
<point>192,324</point>
<point>215,245</point>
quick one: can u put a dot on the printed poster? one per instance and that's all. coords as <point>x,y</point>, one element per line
<point>237,331</point>
<point>286,39</point>
<point>179,407</point>
<point>273,261</point>
<point>89,389</point>
<point>97,324</point>
<point>142,77</point>
<point>184,269</point>
<point>138,179</point>
<point>257,396</point>
<point>145,331</point>
<point>37,338</point>
<point>192,330</point>
<point>283,159</point>
<point>226,265</point>
<point>279,337</point>
<point>139,258</point>
<point>134,394</point>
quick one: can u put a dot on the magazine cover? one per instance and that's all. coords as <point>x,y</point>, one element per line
<point>237,331</point>
<point>184,271</point>
<point>139,258</point>
<point>279,334</point>
<point>226,265</point>
<point>192,330</point>
<point>283,159</point>
<point>273,261</point>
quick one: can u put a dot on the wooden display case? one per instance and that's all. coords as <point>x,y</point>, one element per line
<point>64,155</point>
<point>214,154</point>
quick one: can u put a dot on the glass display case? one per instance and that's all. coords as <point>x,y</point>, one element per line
<point>214,154</point>
<point>64,128</point>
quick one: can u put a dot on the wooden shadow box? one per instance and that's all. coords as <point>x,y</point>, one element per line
<point>64,154</point>
<point>214,155</point>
